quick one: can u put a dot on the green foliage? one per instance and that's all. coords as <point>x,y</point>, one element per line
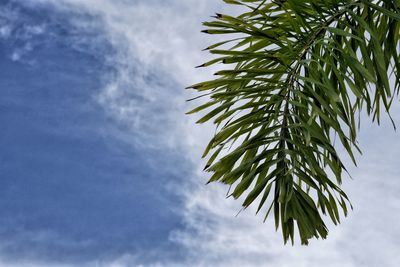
<point>297,72</point>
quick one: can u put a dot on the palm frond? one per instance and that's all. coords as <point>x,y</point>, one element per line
<point>296,74</point>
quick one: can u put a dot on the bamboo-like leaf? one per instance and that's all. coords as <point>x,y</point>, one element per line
<point>295,74</point>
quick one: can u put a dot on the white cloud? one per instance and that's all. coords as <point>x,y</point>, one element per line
<point>5,31</point>
<point>24,32</point>
<point>19,52</point>
<point>156,41</point>
<point>157,45</point>
<point>7,15</point>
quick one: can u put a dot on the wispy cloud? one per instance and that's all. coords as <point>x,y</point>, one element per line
<point>153,61</point>
<point>5,31</point>
<point>156,45</point>
<point>13,25</point>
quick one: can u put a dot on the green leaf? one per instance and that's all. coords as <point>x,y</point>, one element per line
<point>290,83</point>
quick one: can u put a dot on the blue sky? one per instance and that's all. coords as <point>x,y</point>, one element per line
<point>62,175</point>
<point>99,166</point>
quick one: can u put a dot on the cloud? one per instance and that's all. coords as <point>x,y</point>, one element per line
<point>7,17</point>
<point>146,58</point>
<point>13,24</point>
<point>5,31</point>
<point>156,45</point>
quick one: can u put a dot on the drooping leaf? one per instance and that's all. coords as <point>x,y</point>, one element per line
<point>296,73</point>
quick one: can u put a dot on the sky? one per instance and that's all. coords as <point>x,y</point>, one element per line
<point>100,166</point>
